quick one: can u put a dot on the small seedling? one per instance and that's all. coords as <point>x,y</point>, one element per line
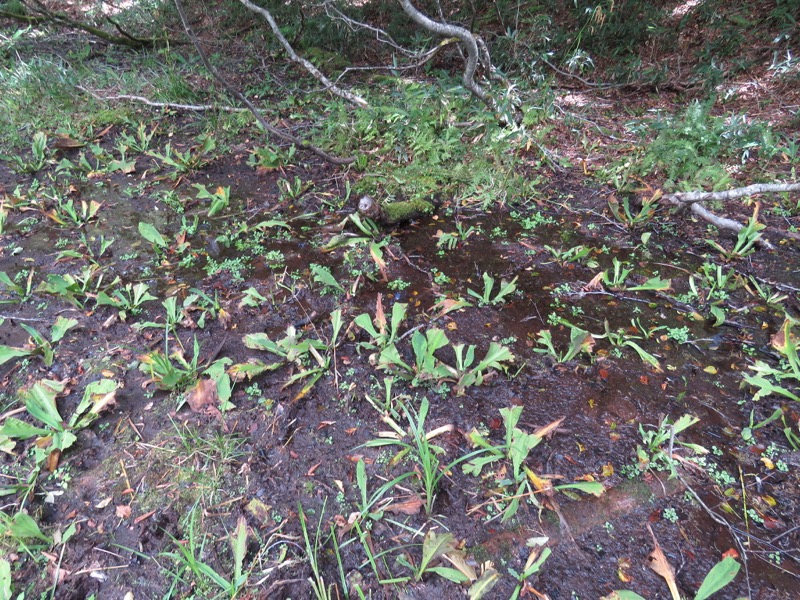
<point>746,239</point>
<point>486,298</point>
<point>220,198</point>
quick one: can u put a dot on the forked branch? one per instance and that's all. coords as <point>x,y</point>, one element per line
<point>284,135</point>
<point>313,71</point>
<point>465,37</point>
<point>694,201</point>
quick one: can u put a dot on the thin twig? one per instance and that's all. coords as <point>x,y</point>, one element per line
<point>170,105</point>
<point>251,107</point>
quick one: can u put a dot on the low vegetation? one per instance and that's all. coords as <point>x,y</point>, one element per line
<point>220,379</point>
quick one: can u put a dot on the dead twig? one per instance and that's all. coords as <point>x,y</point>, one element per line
<point>284,135</point>
<point>694,200</point>
<point>169,105</point>
<point>312,70</point>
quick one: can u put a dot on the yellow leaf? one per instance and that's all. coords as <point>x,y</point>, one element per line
<point>710,369</point>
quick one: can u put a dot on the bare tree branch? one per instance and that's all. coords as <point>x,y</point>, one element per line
<point>750,190</point>
<point>466,37</point>
<point>382,36</point>
<point>694,201</point>
<point>172,105</point>
<point>284,135</point>
<point>47,16</point>
<point>316,73</point>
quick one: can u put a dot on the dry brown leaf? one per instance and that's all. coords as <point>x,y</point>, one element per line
<point>458,560</point>
<point>595,283</point>
<point>659,563</point>
<point>104,503</point>
<point>380,315</point>
<point>202,395</point>
<point>65,142</point>
<point>104,402</point>
<point>407,507</point>
<point>549,428</point>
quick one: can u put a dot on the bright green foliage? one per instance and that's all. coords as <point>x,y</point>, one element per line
<point>689,148</point>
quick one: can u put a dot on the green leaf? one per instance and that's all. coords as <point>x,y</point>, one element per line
<point>719,315</point>
<point>718,577</point>
<point>433,546</point>
<point>590,487</point>
<point>622,595</point>
<point>151,234</point>
<point>261,341</point>
<point>20,430</point>
<point>40,400</point>
<point>653,284</point>
<point>484,584</point>
<point>6,281</point>
<point>60,328</point>
<point>323,275</point>
<point>449,573</point>
<point>5,579</point>
<point>22,526</point>
<point>8,353</point>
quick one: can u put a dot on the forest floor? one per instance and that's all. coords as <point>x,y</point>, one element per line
<point>249,392</point>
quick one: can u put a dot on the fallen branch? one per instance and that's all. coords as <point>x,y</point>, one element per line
<point>733,194</point>
<point>284,135</point>
<point>44,15</point>
<point>316,73</point>
<point>171,105</point>
<point>693,200</point>
<point>466,37</point>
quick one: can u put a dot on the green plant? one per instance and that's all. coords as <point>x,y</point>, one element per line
<point>382,332</point>
<point>322,591</point>
<point>486,298</point>
<point>291,349</point>
<point>434,547</point>
<point>294,190</point>
<point>653,455</point>
<point>22,292</point>
<point>189,161</point>
<point>720,575</point>
<point>68,212</point>
<point>189,553</point>
<point>322,275</point>
<point>575,254</point>
<point>451,240</point>
<point>139,141</point>
<point>38,155</point>
<point>428,368</point>
<point>128,299</point>
<point>631,219</point>
<point>39,344</point>
<point>171,372</point>
<point>745,240</point>
<point>57,435</point>
<point>519,481</point>
<point>616,279</point>
<point>580,341</point>
<point>622,338</point>
<point>271,157</point>
<point>420,450</point>
<point>220,198</point>
<point>533,564</point>
<point>783,379</point>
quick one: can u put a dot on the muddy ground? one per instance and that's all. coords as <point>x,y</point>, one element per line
<point>166,474</point>
<point>276,451</point>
